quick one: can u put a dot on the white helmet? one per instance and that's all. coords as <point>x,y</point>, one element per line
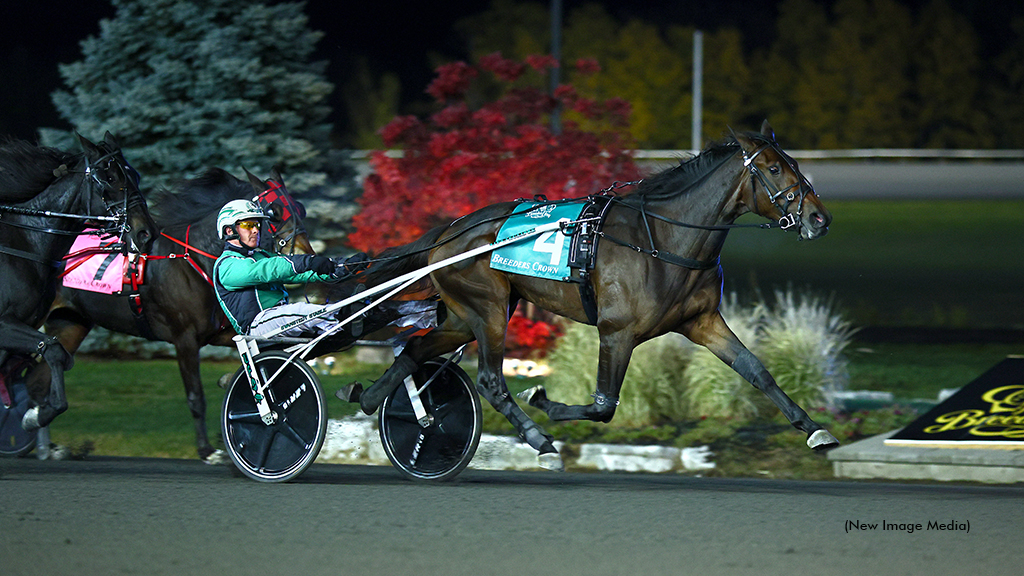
<point>234,212</point>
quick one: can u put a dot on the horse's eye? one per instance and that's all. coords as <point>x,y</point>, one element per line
<point>774,170</point>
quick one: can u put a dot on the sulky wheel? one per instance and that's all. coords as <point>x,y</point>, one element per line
<point>14,440</point>
<point>444,447</point>
<point>280,451</point>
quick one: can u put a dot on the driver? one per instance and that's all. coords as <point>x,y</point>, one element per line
<point>249,281</point>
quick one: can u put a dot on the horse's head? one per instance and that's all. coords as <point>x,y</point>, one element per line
<point>285,212</point>
<point>116,187</point>
<point>776,189</point>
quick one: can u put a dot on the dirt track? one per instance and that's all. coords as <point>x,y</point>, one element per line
<point>149,517</point>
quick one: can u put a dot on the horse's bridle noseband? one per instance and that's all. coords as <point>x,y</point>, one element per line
<point>130,191</point>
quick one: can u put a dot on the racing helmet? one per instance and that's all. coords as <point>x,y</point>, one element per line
<point>234,212</point>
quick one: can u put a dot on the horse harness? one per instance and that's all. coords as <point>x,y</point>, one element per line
<point>117,216</point>
<point>586,231</point>
<point>135,265</point>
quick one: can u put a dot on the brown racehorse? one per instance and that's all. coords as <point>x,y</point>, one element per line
<point>177,303</point>
<point>656,272</point>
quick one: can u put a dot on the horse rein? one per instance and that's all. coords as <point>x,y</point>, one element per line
<point>264,199</point>
<point>786,222</point>
<point>117,215</point>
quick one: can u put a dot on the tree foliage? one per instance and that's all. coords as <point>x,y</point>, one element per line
<point>838,74</point>
<point>465,157</point>
<point>189,84</point>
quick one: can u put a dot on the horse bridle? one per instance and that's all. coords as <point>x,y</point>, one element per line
<point>117,213</point>
<point>276,192</point>
<point>788,219</point>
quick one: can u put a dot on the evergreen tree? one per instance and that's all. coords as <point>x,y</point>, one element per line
<point>189,84</point>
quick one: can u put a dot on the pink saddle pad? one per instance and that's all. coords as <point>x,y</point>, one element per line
<point>102,272</point>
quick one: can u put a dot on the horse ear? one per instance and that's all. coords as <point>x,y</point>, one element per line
<point>111,140</point>
<point>91,149</point>
<point>766,130</point>
<point>745,143</point>
<point>275,174</point>
<point>258,185</point>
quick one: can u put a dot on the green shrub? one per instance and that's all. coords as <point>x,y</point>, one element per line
<point>799,339</point>
<point>801,342</point>
<point>651,390</point>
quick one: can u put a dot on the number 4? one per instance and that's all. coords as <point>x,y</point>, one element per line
<point>551,243</point>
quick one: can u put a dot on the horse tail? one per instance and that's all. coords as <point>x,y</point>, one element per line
<point>396,261</point>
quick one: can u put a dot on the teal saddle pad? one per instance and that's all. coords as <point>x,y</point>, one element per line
<point>542,256</point>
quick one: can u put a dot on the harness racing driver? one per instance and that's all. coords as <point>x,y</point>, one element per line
<point>250,281</point>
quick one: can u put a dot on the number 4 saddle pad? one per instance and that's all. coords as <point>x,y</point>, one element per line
<point>543,256</point>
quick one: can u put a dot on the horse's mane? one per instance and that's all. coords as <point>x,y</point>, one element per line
<point>194,199</point>
<point>689,172</point>
<point>27,169</point>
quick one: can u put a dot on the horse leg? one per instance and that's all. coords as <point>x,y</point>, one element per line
<point>487,319</point>
<point>443,339</point>
<point>712,332</point>
<point>187,350</point>
<point>491,385</point>
<point>613,360</point>
<point>22,339</point>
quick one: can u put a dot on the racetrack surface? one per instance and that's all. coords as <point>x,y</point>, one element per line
<point>108,516</point>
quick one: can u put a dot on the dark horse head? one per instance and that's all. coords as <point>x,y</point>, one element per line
<point>285,212</point>
<point>139,228</point>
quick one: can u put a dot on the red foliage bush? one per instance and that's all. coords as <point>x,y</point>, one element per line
<point>465,157</point>
<point>526,337</point>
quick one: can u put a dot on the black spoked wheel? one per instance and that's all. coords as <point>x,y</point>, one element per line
<point>14,440</point>
<point>444,447</point>
<point>280,451</point>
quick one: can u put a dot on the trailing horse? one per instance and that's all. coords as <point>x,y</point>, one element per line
<point>49,197</point>
<point>657,271</point>
<point>175,301</point>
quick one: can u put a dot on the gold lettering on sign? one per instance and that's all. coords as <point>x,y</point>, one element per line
<point>1004,418</point>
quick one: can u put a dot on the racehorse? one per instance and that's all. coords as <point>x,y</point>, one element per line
<point>657,271</point>
<point>175,301</point>
<point>50,196</point>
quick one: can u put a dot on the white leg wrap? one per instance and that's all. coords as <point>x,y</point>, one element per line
<point>30,421</point>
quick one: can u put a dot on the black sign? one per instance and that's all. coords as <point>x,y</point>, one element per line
<point>987,413</point>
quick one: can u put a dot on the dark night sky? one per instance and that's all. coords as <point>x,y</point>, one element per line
<point>395,35</point>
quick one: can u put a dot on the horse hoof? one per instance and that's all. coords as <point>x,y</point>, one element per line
<point>530,393</point>
<point>224,381</point>
<point>350,392</point>
<point>551,461</point>
<point>30,421</point>
<point>58,452</point>
<point>822,440</point>
<point>216,458</point>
